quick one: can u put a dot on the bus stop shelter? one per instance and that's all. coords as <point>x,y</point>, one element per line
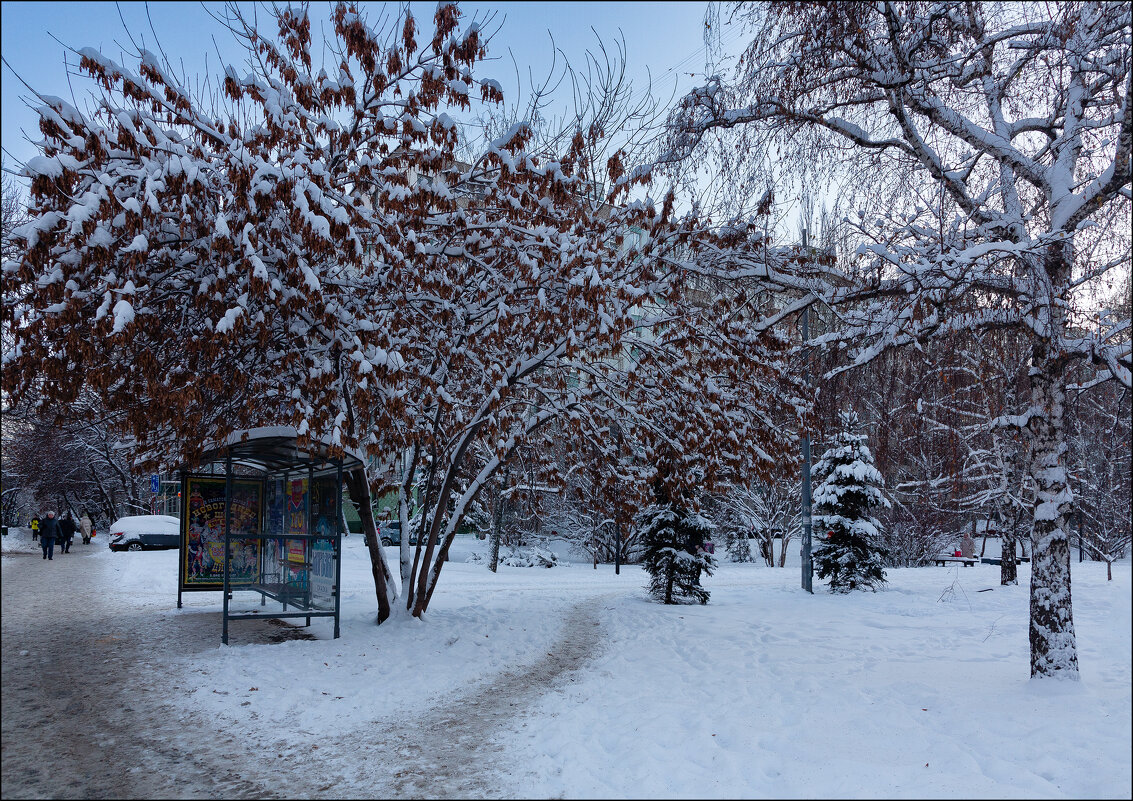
<point>262,514</point>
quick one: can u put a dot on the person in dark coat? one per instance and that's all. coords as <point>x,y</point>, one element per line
<point>48,531</point>
<point>66,533</point>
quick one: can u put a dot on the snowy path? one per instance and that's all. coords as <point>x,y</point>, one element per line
<point>455,753</point>
<point>451,750</point>
<point>85,714</point>
<point>83,698</point>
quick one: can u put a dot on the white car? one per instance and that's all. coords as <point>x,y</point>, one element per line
<point>142,532</point>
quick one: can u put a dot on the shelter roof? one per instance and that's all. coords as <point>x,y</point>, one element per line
<point>275,449</point>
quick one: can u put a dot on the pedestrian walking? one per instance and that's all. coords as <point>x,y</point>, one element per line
<point>86,527</point>
<point>49,530</point>
<point>35,528</point>
<point>66,533</point>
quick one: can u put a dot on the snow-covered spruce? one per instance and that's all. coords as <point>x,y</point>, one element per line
<point>849,552</point>
<point>674,556</point>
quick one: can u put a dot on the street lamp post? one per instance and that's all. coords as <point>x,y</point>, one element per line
<point>807,564</point>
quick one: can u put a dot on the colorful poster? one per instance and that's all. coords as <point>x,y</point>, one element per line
<point>202,533</point>
<point>323,511</point>
<point>296,549</point>
<point>275,547</point>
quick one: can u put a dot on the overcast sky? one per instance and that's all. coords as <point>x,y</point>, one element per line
<point>664,39</point>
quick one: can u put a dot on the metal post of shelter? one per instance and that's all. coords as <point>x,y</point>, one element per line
<point>227,541</point>
<point>307,551</point>
<point>618,508</point>
<point>338,550</point>
<point>184,518</point>
<point>286,484</point>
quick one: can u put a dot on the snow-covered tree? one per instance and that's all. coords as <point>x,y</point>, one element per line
<point>306,249</point>
<point>673,539</point>
<point>760,512</point>
<point>848,550</point>
<point>997,139</point>
<point>72,459</point>
<point>1101,463</point>
<point>13,213</point>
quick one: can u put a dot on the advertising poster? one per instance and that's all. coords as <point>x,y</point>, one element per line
<point>294,554</point>
<point>296,518</point>
<point>277,506</point>
<point>323,507</point>
<point>274,548</point>
<point>323,511</point>
<point>322,574</point>
<point>202,534</point>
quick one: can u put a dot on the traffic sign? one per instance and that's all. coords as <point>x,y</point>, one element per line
<point>155,483</point>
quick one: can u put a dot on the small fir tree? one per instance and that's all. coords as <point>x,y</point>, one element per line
<point>674,554</point>
<point>849,551</point>
<point>737,545</point>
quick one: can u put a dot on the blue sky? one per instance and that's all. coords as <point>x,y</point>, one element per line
<point>664,39</point>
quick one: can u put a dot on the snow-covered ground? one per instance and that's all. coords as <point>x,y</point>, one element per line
<point>920,690</point>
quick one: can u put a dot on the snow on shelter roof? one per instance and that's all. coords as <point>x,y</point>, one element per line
<point>275,449</point>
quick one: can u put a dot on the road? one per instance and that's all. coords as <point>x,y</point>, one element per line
<point>86,709</point>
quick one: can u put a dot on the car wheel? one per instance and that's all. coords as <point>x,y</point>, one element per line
<point>386,541</point>
<point>134,546</point>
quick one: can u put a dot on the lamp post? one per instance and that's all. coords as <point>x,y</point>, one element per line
<point>807,564</point>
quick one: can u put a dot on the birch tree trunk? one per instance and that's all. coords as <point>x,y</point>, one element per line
<point>1053,644</point>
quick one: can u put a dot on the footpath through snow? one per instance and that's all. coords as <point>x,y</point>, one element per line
<point>88,674</point>
<point>562,682</point>
<point>85,677</point>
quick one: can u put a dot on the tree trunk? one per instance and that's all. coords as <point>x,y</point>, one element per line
<point>359,488</point>
<point>403,547</point>
<point>1054,650</point>
<point>1008,569</point>
<point>497,521</point>
<point>783,549</point>
<point>404,497</point>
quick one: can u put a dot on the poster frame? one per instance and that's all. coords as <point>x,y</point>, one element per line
<point>190,479</point>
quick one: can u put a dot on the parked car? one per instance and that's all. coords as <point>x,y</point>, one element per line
<point>143,532</point>
<point>391,534</point>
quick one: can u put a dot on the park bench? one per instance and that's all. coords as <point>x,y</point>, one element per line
<point>989,560</point>
<point>944,560</point>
